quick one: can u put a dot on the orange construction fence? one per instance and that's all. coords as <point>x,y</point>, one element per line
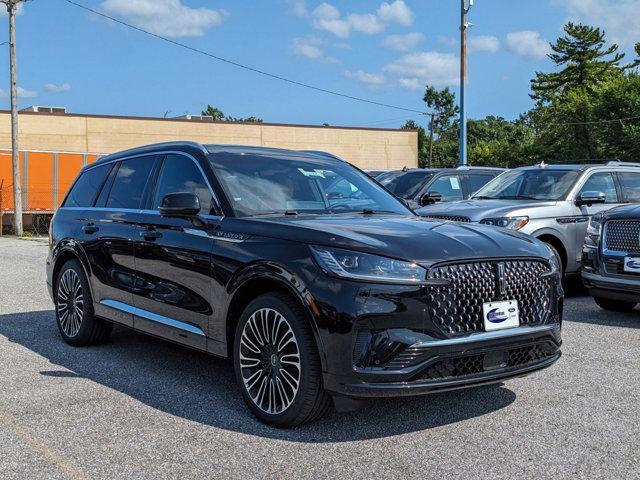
<point>45,178</point>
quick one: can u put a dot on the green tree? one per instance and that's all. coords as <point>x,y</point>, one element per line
<point>423,141</point>
<point>443,104</point>
<point>585,60</point>
<point>219,116</point>
<point>211,111</point>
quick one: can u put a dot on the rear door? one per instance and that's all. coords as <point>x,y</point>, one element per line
<point>106,233</point>
<point>630,186</point>
<point>173,258</point>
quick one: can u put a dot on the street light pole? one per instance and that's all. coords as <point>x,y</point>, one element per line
<point>464,25</point>
<point>12,6</point>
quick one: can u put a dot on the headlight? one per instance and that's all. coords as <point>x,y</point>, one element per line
<point>594,230</point>
<point>512,223</point>
<point>363,266</point>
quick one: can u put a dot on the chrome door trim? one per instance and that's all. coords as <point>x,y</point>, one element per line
<point>154,317</point>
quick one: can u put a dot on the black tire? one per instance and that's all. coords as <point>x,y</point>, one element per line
<point>614,305</point>
<point>310,401</point>
<point>558,258</point>
<point>78,326</point>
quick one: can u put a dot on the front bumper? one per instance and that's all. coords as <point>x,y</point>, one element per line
<point>625,289</point>
<point>432,365</point>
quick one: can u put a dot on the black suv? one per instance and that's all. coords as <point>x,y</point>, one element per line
<point>611,258</point>
<point>242,252</point>
<point>424,186</point>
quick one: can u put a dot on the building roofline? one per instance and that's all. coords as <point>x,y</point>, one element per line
<point>208,122</point>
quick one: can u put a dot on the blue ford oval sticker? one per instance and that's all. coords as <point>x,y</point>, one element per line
<point>632,264</point>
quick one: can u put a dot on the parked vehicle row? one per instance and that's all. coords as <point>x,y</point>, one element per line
<point>424,186</point>
<point>320,285</point>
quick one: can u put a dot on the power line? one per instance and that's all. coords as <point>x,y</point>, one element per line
<point>240,65</point>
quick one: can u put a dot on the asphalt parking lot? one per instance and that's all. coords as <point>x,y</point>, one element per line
<point>138,407</point>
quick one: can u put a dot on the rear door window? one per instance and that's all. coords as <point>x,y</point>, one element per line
<point>477,181</point>
<point>630,183</point>
<point>86,188</point>
<point>129,184</point>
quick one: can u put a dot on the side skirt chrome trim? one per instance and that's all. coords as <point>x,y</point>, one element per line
<point>154,317</point>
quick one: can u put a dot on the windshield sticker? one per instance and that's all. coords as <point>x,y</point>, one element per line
<point>455,183</point>
<point>311,173</point>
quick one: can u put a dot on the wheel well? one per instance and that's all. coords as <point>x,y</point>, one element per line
<point>557,244</point>
<point>245,294</point>
<point>63,258</point>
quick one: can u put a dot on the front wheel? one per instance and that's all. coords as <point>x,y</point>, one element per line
<point>74,308</point>
<point>614,305</point>
<point>277,364</point>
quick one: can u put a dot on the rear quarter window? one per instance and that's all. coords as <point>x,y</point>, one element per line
<point>85,190</point>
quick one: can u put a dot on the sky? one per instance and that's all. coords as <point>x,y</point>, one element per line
<point>384,51</point>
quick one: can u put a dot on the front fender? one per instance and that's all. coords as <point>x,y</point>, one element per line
<point>267,271</point>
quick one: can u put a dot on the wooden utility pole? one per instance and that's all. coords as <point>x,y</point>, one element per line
<point>465,6</point>
<point>12,6</point>
<point>431,126</point>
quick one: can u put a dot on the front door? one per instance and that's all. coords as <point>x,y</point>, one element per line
<point>173,259</point>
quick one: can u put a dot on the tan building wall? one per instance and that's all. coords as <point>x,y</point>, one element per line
<point>365,148</point>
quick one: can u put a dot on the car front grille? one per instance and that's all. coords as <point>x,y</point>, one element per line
<point>451,218</point>
<point>622,235</point>
<point>456,309</point>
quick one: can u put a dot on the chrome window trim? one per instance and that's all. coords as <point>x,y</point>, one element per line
<point>154,317</point>
<point>154,154</point>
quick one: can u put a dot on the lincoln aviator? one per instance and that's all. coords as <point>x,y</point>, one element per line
<point>321,286</point>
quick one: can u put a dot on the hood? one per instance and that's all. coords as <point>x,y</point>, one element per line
<point>409,238</point>
<point>625,212</point>
<point>477,210</point>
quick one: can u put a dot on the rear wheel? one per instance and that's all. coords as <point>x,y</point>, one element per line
<point>74,308</point>
<point>614,305</point>
<point>277,363</point>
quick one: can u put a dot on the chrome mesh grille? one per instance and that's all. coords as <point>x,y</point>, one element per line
<point>622,235</point>
<point>451,218</point>
<point>457,308</point>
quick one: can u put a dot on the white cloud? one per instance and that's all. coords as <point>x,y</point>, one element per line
<point>165,17</point>
<point>54,88</point>
<point>298,7</point>
<point>311,48</point>
<point>372,80</point>
<point>528,44</point>
<point>414,70</point>
<point>22,93</point>
<point>484,43</point>
<point>327,17</point>
<point>366,23</point>
<point>619,18</point>
<point>396,12</point>
<point>403,43</point>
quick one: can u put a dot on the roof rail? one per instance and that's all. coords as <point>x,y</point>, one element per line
<point>478,167</point>
<point>623,164</point>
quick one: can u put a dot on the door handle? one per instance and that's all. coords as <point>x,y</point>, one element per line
<point>150,234</point>
<point>90,228</point>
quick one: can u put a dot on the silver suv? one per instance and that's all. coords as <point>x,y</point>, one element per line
<point>550,202</point>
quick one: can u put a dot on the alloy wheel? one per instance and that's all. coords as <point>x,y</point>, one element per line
<point>70,305</point>
<point>270,361</point>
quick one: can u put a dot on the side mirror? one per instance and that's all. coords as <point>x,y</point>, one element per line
<point>590,198</point>
<point>180,205</point>
<point>430,198</point>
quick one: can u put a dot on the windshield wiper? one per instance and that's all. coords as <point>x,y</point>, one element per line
<point>277,212</point>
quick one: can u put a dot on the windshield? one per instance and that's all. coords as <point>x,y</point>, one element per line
<point>405,184</point>
<point>259,185</point>
<point>538,184</point>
